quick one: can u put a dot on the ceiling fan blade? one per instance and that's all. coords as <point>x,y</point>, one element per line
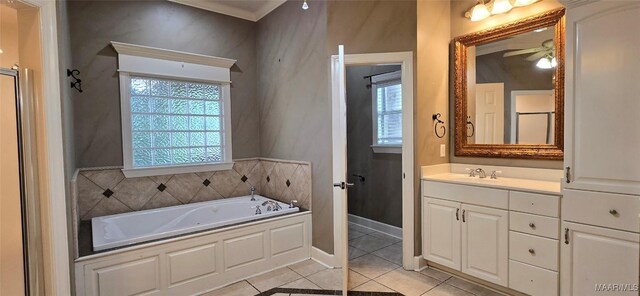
<point>537,56</point>
<point>523,51</point>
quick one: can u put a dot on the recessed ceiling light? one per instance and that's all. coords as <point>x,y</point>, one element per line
<point>305,6</point>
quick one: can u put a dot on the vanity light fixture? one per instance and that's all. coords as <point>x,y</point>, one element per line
<point>520,3</point>
<point>483,10</point>
<point>479,12</point>
<point>305,6</point>
<point>1,50</point>
<point>501,6</point>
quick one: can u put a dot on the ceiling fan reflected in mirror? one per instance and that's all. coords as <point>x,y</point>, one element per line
<point>545,54</point>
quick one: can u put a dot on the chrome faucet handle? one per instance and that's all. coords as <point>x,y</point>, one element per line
<point>292,204</point>
<point>258,211</point>
<point>472,173</point>
<point>481,173</point>
<point>494,174</point>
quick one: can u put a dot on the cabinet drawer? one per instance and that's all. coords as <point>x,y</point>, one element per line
<point>532,280</point>
<point>533,203</point>
<point>534,250</point>
<point>534,224</point>
<point>616,211</point>
<point>489,197</point>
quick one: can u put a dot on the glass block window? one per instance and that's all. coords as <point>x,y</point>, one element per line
<point>387,94</point>
<point>175,122</point>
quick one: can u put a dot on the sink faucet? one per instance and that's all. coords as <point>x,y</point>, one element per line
<point>481,173</point>
<point>253,191</point>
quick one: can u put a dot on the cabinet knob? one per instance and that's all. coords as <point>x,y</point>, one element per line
<point>532,251</point>
<point>613,212</point>
<point>532,225</point>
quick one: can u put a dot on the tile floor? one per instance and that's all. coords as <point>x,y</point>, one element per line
<point>375,265</point>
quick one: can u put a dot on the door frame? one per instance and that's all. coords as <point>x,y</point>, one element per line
<point>48,118</point>
<point>405,60</point>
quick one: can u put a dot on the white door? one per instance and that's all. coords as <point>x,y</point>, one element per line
<point>594,255</point>
<point>602,135</point>
<point>441,228</point>
<point>339,126</point>
<point>490,113</point>
<point>485,243</point>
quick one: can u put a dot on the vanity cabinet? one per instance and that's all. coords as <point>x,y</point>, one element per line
<point>442,240</point>
<point>485,243</point>
<point>594,256</point>
<point>601,97</point>
<point>506,237</point>
<point>467,237</point>
<point>601,193</point>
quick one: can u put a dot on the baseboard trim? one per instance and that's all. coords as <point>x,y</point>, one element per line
<point>377,226</point>
<point>323,257</point>
<point>419,263</point>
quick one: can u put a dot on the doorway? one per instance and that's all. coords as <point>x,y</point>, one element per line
<point>344,179</point>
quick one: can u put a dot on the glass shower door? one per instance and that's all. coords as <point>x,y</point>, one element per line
<point>12,231</point>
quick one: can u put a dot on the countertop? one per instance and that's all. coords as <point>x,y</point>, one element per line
<point>526,185</point>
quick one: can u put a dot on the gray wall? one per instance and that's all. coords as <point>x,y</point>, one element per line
<point>517,74</point>
<point>293,79</point>
<point>293,73</point>
<point>163,24</point>
<point>379,197</point>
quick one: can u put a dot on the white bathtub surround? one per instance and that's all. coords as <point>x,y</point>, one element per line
<point>103,191</point>
<point>197,263</point>
<point>135,227</point>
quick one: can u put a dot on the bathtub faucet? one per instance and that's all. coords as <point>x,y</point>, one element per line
<point>253,191</point>
<point>258,211</point>
<point>272,205</point>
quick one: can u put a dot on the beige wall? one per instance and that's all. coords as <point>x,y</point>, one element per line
<point>432,92</point>
<point>461,26</point>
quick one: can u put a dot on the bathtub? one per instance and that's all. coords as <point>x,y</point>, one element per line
<point>120,230</point>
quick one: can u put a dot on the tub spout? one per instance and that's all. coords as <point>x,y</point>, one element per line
<point>253,191</point>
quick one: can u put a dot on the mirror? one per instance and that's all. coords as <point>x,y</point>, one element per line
<point>509,90</point>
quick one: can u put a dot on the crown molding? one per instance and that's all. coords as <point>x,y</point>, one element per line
<point>172,55</point>
<point>220,7</point>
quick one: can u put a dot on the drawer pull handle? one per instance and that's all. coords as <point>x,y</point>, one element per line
<point>532,225</point>
<point>566,236</point>
<point>458,214</point>
<point>463,220</point>
<point>613,212</point>
<point>532,251</point>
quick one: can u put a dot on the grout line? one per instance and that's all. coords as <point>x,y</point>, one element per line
<point>250,284</point>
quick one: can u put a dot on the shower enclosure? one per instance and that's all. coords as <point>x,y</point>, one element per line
<point>20,247</point>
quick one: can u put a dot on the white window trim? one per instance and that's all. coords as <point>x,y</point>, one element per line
<point>377,148</point>
<point>161,63</point>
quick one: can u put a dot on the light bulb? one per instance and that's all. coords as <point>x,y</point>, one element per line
<point>554,63</point>
<point>305,6</point>
<point>501,6</point>
<point>520,3</point>
<point>1,50</point>
<point>479,12</point>
<point>544,63</point>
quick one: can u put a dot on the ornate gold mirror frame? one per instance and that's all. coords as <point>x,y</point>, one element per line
<point>543,151</point>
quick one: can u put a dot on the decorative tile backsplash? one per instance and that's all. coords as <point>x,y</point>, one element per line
<point>106,191</point>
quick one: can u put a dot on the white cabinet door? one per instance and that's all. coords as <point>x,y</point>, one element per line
<point>603,96</point>
<point>485,243</point>
<point>441,228</point>
<point>595,255</point>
